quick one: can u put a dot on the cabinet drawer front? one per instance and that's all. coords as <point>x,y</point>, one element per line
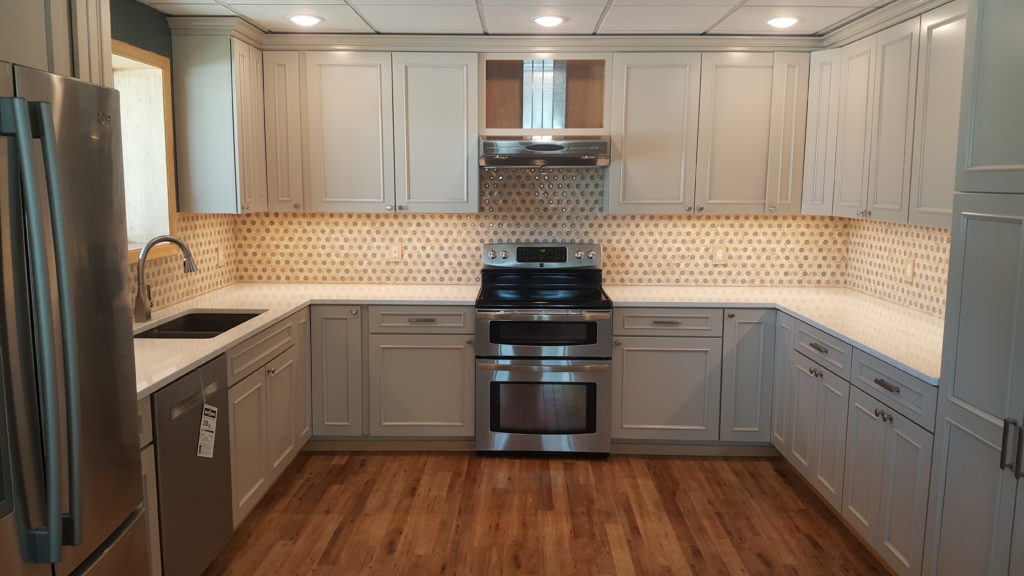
<point>706,322</point>
<point>145,422</point>
<point>422,320</point>
<point>830,352</point>
<point>909,396</point>
<point>246,357</point>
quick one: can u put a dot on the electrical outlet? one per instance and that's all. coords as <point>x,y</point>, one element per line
<point>718,254</point>
<point>909,266</point>
<point>395,252</point>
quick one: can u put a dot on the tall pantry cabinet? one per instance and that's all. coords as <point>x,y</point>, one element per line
<point>976,505</point>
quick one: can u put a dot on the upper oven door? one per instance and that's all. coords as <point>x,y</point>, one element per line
<point>544,333</point>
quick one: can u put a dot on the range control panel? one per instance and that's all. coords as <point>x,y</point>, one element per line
<point>541,255</point>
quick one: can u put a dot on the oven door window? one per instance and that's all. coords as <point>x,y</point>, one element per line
<point>540,333</point>
<point>544,407</point>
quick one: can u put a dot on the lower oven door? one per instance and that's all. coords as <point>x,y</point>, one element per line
<point>543,405</point>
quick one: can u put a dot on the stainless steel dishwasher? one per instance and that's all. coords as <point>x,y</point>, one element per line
<point>195,491</point>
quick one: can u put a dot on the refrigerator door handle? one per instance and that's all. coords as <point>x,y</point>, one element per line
<point>72,522</point>
<point>44,542</point>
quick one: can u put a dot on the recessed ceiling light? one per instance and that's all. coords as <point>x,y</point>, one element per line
<point>785,22</point>
<point>306,20</point>
<point>548,21</point>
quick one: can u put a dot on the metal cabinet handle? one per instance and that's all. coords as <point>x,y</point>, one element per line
<point>816,373</point>
<point>355,311</point>
<point>886,417</point>
<point>389,207</point>
<point>665,322</point>
<point>271,371</point>
<point>1004,451</point>
<point>1018,467</point>
<point>731,315</point>
<point>700,208</point>
<point>618,342</point>
<point>819,347</point>
<point>887,385</point>
<point>772,210</point>
<point>689,208</point>
<point>469,342</point>
<point>422,320</point>
<point>296,206</point>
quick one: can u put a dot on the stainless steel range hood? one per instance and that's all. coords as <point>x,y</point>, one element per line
<point>528,152</point>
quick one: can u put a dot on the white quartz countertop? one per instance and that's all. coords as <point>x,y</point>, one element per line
<point>906,338</point>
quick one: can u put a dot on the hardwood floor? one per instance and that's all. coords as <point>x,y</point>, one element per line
<point>458,513</point>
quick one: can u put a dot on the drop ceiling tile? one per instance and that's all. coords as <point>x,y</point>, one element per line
<point>751,19</point>
<point>822,3</point>
<point>151,2</point>
<point>507,19</point>
<point>181,9</point>
<point>422,19</point>
<point>337,19</point>
<point>545,2</point>
<point>359,3</point>
<point>662,19</point>
<point>681,2</point>
<point>283,2</point>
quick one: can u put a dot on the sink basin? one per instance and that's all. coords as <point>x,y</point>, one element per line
<point>198,325</point>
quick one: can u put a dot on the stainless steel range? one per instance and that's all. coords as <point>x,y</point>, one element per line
<point>543,350</point>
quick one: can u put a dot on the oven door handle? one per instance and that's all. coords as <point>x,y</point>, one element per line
<point>546,316</point>
<point>536,368</point>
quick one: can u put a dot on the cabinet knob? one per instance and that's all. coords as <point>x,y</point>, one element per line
<point>689,208</point>
<point>700,208</point>
<point>618,342</point>
<point>731,315</point>
<point>469,342</point>
<point>772,210</point>
<point>355,311</point>
<point>297,206</point>
<point>271,371</point>
<point>402,207</point>
<point>389,207</point>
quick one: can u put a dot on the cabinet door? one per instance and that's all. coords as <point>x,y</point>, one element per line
<point>865,458</point>
<point>37,34</point>
<point>786,134</point>
<point>281,105</point>
<point>937,114</point>
<point>422,385</point>
<point>829,460</point>
<point>282,381</point>
<point>804,389</point>
<point>303,380</point>
<point>734,130</point>
<point>247,405</point>
<point>350,135</point>
<point>149,504</point>
<point>892,143</point>
<point>856,89</point>
<point>904,497</point>
<point>250,141</point>
<point>654,133</point>
<point>748,367</point>
<point>782,393</point>
<point>982,389</point>
<point>666,388</point>
<point>337,358</point>
<point>436,166</point>
<point>822,128</point>
<point>991,150</point>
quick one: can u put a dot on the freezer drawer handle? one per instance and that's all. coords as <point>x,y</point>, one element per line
<point>1004,452</point>
<point>43,543</point>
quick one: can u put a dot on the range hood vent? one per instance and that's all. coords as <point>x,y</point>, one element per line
<point>529,153</point>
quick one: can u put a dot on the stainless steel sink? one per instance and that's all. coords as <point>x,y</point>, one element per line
<point>198,325</point>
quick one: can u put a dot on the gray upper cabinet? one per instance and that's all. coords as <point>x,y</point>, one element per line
<point>218,100</point>
<point>876,125</point>
<point>654,133</point>
<point>940,68</point>
<point>991,151</point>
<point>753,110</point>
<point>282,108</point>
<point>822,125</point>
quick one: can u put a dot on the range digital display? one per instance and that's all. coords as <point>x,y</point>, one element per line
<point>541,254</point>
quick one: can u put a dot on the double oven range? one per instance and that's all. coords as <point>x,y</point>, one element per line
<point>543,350</point>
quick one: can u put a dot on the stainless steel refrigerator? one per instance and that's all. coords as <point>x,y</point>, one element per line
<point>70,480</point>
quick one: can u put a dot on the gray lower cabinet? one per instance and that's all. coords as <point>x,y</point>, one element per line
<point>666,388</point>
<point>748,370</point>
<point>337,370</point>
<point>885,492</point>
<point>422,385</point>
<point>247,404</point>
<point>149,486</point>
<point>782,394</point>
<point>818,434</point>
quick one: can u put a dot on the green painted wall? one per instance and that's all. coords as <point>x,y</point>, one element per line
<point>140,26</point>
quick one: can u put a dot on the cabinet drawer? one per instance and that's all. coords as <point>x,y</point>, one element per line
<point>832,353</point>
<point>910,396</point>
<point>422,319</point>
<point>246,357</point>
<point>706,322</point>
<point>145,422</point>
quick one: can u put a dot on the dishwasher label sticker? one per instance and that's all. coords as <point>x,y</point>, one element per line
<point>207,431</point>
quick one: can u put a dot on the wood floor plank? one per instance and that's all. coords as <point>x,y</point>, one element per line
<point>396,514</point>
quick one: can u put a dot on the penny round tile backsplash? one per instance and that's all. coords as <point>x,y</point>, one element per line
<point>536,205</point>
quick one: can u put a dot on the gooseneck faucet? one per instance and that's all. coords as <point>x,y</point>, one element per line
<point>143,296</point>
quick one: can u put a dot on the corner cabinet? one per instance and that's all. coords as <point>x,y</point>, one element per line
<point>748,367</point>
<point>219,132</point>
<point>991,152</point>
<point>337,370</point>
<point>391,132</point>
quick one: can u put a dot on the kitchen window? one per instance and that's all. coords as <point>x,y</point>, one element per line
<point>144,81</point>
